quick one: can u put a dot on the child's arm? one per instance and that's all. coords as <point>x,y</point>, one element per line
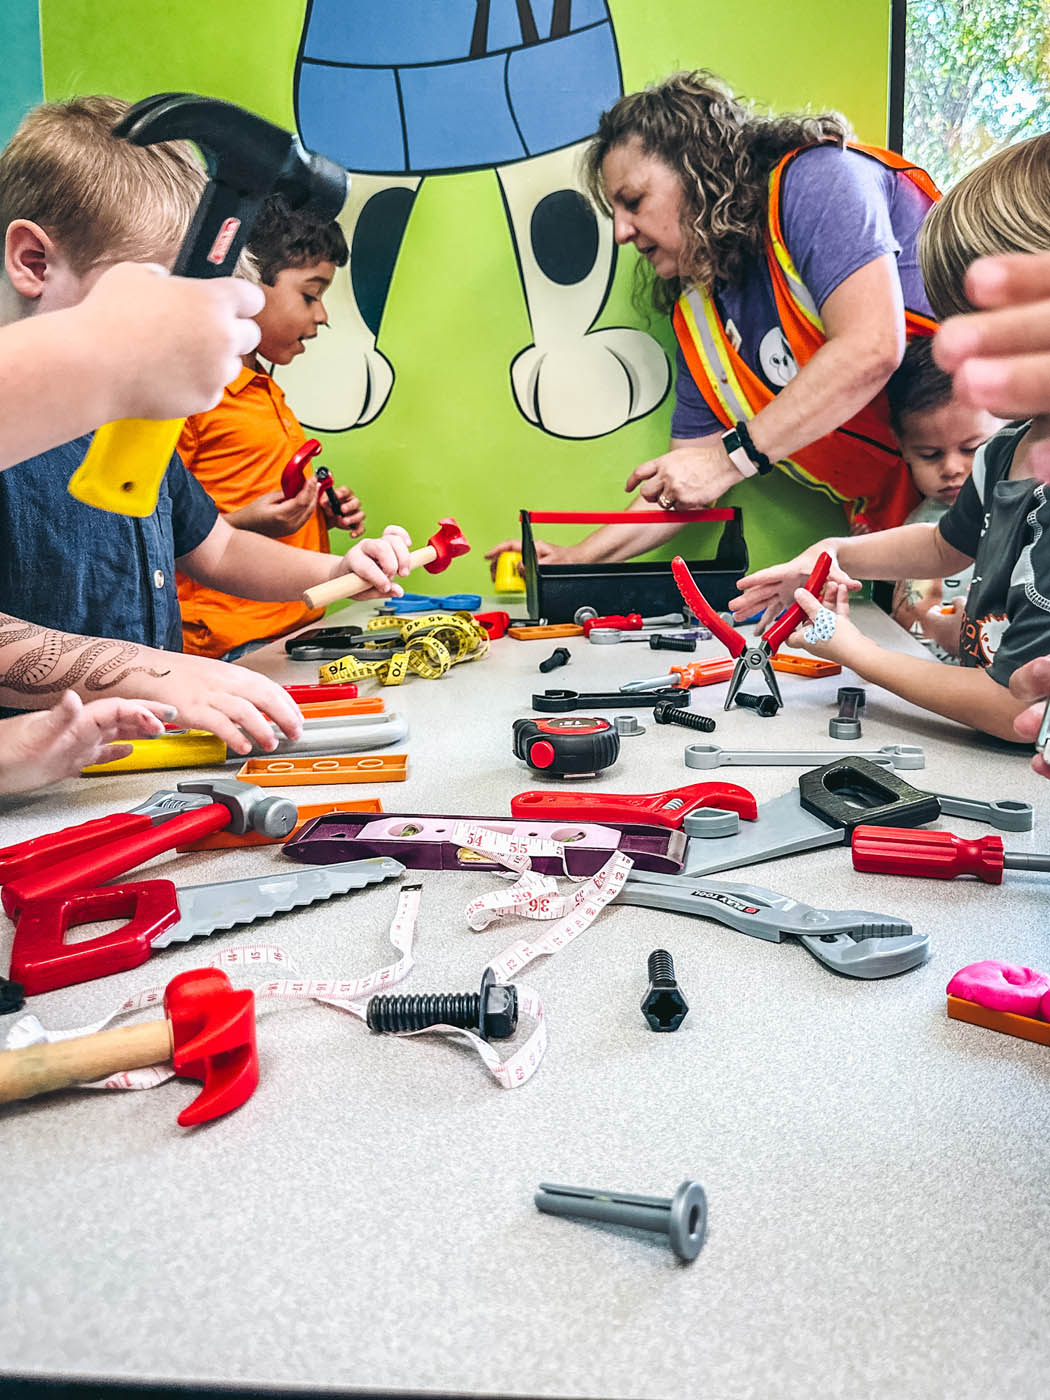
<point>48,745</point>
<point>140,345</point>
<point>38,663</point>
<point>251,566</point>
<point>910,551</point>
<point>966,694</point>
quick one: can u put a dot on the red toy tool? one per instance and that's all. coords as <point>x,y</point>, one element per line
<point>755,655</point>
<point>208,1033</point>
<point>80,857</point>
<point>294,475</point>
<point>938,855</point>
<point>444,545</point>
<point>659,808</point>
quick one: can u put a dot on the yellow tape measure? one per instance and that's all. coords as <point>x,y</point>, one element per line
<point>431,645</point>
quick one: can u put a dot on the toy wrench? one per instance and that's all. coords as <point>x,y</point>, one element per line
<point>712,756</point>
<point>851,941</point>
<point>755,655</point>
<point>658,808</point>
<point>159,915</point>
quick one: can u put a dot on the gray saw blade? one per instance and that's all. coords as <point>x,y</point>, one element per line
<point>208,908</point>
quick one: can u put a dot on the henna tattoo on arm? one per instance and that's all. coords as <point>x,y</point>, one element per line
<point>96,663</point>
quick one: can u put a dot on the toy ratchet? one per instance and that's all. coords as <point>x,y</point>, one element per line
<point>756,655</point>
<point>661,808</point>
<point>558,701</point>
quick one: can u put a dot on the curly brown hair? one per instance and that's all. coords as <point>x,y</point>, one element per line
<point>723,153</point>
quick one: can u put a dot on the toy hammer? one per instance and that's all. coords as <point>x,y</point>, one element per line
<point>208,1033</point>
<point>446,544</point>
<point>247,158</point>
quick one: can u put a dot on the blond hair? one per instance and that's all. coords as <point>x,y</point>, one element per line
<point>1001,207</point>
<point>723,153</point>
<point>99,198</point>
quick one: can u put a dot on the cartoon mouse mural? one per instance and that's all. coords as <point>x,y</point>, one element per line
<point>400,90</point>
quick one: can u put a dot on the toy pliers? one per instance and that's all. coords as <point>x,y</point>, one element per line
<point>756,655</point>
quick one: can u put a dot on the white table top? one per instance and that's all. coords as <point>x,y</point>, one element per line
<point>876,1174</point>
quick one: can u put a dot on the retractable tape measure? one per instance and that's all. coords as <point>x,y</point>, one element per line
<point>570,746</point>
<point>431,645</point>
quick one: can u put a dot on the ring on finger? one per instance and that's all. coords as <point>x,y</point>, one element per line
<point>665,501</point>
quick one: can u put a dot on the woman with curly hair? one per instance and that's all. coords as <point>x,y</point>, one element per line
<point>786,256</point>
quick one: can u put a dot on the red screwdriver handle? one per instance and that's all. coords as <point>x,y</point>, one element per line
<point>631,623</point>
<point>726,634</point>
<point>93,867</point>
<point>784,626</point>
<point>27,857</point>
<point>938,855</point>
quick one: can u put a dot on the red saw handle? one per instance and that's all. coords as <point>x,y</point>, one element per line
<point>937,855</point>
<point>93,867</point>
<point>726,634</point>
<point>42,851</point>
<point>783,627</point>
<point>656,808</point>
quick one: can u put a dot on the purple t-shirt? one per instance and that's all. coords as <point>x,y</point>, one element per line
<point>840,210</point>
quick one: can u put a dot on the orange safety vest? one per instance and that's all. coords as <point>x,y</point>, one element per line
<point>859,463</point>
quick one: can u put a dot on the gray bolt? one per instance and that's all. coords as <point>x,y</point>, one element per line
<point>663,1006</point>
<point>846,724</point>
<point>582,615</point>
<point>765,705</point>
<point>681,1217</point>
<point>627,724</point>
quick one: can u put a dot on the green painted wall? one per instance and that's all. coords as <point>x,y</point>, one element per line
<point>20,45</point>
<point>451,439</point>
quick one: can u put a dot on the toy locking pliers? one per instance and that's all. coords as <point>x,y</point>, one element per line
<point>755,655</point>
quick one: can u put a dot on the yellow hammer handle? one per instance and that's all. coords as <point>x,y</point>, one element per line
<point>124,465</point>
<point>39,1069</point>
<point>349,585</point>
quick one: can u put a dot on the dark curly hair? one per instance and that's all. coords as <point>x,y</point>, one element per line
<point>285,237</point>
<point>723,154</point>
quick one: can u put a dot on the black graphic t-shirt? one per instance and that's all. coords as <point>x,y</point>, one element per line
<point>1004,526</point>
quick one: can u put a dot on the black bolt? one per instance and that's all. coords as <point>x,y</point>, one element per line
<point>12,996</point>
<point>663,1006</point>
<point>671,712</point>
<point>492,1012</point>
<point>558,657</point>
<point>765,705</point>
<point>660,642</point>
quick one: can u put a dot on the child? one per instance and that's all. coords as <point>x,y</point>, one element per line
<point>1000,520</point>
<point>98,588</point>
<point>938,436</point>
<point>238,451</point>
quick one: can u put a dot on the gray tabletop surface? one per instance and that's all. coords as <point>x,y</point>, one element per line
<point>877,1175</point>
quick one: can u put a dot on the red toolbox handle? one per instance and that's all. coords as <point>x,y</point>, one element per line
<point>628,517</point>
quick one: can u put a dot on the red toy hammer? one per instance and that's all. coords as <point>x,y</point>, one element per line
<point>208,1033</point>
<point>446,544</point>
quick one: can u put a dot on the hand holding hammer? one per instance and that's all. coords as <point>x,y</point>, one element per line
<point>446,544</point>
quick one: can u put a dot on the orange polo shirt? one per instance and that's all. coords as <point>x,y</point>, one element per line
<point>237,452</point>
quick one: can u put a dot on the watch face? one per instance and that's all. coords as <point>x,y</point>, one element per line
<point>732,440</point>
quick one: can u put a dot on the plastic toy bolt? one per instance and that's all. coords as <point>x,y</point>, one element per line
<point>558,657</point>
<point>765,705</point>
<point>666,712</point>
<point>681,1217</point>
<point>492,1012</point>
<point>663,1006</point>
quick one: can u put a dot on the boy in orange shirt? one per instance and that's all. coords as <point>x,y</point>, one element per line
<point>238,450</point>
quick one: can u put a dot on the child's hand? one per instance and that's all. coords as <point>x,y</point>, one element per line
<point>831,616</point>
<point>379,561</point>
<point>1032,683</point>
<point>351,515</point>
<point>47,745</point>
<point>943,628</point>
<point>275,517</point>
<point>771,590</point>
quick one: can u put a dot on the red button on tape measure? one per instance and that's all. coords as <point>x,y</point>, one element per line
<point>570,746</point>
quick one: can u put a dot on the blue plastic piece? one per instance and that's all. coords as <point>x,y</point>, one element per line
<point>425,602</point>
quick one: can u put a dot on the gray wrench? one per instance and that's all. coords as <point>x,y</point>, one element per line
<point>852,941</point>
<point>711,756</point>
<point>1006,816</point>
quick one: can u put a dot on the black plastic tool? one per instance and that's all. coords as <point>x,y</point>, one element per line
<point>558,701</point>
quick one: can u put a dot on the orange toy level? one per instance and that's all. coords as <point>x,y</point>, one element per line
<point>1024,1027</point>
<point>332,768</point>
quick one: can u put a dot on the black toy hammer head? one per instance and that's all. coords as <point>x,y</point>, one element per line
<point>246,158</point>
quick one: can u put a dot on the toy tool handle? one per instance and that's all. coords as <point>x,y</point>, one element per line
<point>124,465</point>
<point>727,635</point>
<point>41,851</point>
<point>294,474</point>
<point>95,866</point>
<point>631,623</point>
<point>938,855</point>
<point>659,808</point>
<point>39,1069</point>
<point>349,585</point>
<point>784,626</point>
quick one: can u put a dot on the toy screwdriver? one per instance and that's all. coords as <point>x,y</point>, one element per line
<point>938,855</point>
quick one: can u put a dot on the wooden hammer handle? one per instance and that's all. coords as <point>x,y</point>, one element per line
<point>349,585</point>
<point>39,1069</point>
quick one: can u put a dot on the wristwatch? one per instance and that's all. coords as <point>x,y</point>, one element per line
<point>743,453</point>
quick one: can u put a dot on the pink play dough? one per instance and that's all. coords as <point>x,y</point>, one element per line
<point>1003,987</point>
